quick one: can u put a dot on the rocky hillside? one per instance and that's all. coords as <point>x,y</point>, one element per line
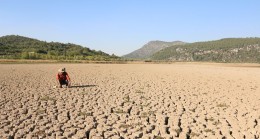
<point>19,47</point>
<point>150,48</point>
<point>224,50</point>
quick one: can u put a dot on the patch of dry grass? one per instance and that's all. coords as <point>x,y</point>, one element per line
<point>144,115</point>
<point>222,105</point>
<point>126,126</point>
<point>144,98</point>
<point>193,110</point>
<point>126,99</point>
<point>216,123</point>
<point>151,112</point>
<point>211,119</point>
<point>178,131</point>
<point>40,111</point>
<point>40,133</point>
<point>84,114</point>
<point>159,137</point>
<point>209,130</point>
<point>119,111</point>
<point>193,134</point>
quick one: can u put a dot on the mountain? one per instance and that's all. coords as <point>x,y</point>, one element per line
<point>224,50</point>
<point>150,48</point>
<point>19,47</point>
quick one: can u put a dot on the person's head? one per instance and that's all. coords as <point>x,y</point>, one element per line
<point>62,70</point>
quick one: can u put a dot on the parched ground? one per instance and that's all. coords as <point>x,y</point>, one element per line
<point>130,101</point>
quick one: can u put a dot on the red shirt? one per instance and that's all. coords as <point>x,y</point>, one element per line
<point>63,76</point>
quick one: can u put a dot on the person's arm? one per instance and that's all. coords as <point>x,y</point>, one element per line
<point>68,78</point>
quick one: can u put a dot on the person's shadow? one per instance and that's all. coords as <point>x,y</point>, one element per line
<point>82,86</point>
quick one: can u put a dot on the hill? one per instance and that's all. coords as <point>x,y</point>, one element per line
<point>19,47</point>
<point>150,48</point>
<point>224,50</point>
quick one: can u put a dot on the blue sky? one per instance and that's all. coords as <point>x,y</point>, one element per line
<point>121,26</point>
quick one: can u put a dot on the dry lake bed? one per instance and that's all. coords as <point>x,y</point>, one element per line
<point>125,101</point>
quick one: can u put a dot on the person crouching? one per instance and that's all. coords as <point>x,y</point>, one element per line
<point>63,78</point>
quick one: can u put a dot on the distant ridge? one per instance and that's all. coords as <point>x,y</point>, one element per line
<point>150,48</point>
<point>223,50</point>
<point>19,47</point>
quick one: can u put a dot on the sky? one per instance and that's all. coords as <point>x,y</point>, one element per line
<point>122,26</point>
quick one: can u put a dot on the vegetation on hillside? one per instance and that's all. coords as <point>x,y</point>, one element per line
<point>18,47</point>
<point>150,48</point>
<point>224,50</point>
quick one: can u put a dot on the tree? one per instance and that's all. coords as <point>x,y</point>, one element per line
<point>25,55</point>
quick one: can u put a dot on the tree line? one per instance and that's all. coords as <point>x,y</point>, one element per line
<point>19,47</point>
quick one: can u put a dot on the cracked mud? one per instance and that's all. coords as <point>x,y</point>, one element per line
<point>130,101</point>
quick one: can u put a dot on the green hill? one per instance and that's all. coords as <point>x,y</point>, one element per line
<point>19,47</point>
<point>224,50</point>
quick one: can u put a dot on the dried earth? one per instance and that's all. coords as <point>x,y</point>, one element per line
<point>130,101</point>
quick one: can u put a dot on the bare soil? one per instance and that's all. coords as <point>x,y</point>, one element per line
<point>181,100</point>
